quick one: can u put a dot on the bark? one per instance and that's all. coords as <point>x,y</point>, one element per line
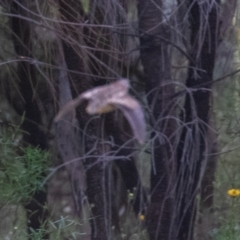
<point>98,195</point>
<point>22,40</point>
<point>127,167</point>
<point>203,20</point>
<point>67,138</point>
<point>155,56</point>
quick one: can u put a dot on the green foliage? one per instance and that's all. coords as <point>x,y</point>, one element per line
<point>227,174</point>
<point>37,234</point>
<point>65,228</point>
<point>230,224</point>
<point>20,176</point>
<point>85,4</point>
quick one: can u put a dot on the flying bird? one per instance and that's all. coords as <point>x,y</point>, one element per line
<point>109,98</point>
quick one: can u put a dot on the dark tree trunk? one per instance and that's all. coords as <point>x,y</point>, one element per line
<point>96,169</point>
<point>132,182</point>
<point>204,20</point>
<point>67,137</point>
<point>128,168</point>
<point>156,60</point>
<point>36,213</point>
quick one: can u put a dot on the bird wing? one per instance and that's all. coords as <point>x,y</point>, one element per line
<point>118,89</point>
<point>133,112</point>
<point>67,108</point>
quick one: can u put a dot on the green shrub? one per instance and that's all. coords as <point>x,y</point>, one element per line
<point>21,176</point>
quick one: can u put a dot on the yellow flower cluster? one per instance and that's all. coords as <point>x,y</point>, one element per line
<point>234,192</point>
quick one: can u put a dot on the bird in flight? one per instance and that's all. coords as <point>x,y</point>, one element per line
<point>108,98</point>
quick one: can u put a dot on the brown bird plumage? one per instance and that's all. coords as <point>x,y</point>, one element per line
<point>109,98</point>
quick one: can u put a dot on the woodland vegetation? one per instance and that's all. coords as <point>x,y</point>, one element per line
<point>86,177</point>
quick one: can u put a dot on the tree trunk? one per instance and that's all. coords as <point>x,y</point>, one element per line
<point>22,40</point>
<point>96,169</point>
<point>156,60</point>
<point>67,138</point>
<point>204,23</point>
<point>127,166</point>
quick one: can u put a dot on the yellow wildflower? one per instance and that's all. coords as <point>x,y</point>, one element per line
<point>141,217</point>
<point>234,192</point>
